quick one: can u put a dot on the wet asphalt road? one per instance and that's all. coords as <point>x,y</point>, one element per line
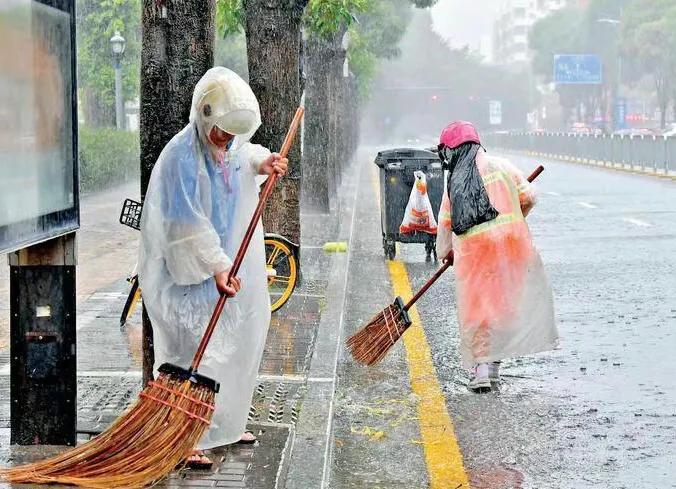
<point>599,412</point>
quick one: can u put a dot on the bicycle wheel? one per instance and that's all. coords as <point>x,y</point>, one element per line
<point>281,268</point>
<point>132,300</point>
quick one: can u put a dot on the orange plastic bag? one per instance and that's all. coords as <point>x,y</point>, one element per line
<point>419,215</point>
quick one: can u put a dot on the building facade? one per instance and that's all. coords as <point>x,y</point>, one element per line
<point>512,27</point>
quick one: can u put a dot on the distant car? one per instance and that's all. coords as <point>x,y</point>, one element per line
<point>582,128</point>
<point>636,131</point>
<point>670,132</point>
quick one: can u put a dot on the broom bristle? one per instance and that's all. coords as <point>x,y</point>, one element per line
<point>371,343</point>
<point>142,446</point>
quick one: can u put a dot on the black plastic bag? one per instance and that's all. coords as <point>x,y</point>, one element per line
<point>470,203</point>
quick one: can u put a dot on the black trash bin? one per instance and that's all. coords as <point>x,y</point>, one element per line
<point>396,181</point>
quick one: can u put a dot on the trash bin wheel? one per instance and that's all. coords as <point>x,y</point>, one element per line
<point>390,249</point>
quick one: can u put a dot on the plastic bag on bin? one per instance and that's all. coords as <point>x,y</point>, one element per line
<point>419,215</point>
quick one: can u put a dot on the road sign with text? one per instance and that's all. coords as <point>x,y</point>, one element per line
<point>577,69</point>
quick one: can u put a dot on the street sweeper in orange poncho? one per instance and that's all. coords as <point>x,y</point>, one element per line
<point>505,304</point>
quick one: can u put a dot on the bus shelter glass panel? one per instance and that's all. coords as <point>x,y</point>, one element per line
<point>38,174</point>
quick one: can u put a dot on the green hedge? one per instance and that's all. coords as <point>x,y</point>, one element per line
<point>107,157</point>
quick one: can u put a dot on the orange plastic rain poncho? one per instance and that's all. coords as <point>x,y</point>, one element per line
<point>505,305</point>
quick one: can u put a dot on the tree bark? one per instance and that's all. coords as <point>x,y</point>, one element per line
<point>273,47</point>
<point>323,125</point>
<point>177,49</point>
<point>318,182</point>
<point>353,119</point>
<point>334,69</point>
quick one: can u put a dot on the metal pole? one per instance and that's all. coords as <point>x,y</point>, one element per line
<point>119,110</point>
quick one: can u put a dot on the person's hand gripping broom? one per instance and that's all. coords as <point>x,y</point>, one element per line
<point>165,424</point>
<point>371,343</point>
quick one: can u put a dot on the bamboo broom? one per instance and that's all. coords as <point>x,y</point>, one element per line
<point>371,343</point>
<point>164,425</point>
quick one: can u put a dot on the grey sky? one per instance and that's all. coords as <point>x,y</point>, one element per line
<point>465,22</point>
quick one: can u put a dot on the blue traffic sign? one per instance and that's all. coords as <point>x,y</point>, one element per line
<point>577,69</point>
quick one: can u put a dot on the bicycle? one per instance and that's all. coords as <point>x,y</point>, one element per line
<point>281,264</point>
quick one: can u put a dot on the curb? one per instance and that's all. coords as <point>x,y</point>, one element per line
<point>311,453</point>
<point>594,163</point>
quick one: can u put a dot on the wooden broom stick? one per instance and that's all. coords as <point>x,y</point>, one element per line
<point>239,258</point>
<point>448,259</point>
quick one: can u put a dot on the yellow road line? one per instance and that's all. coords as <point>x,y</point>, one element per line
<point>442,453</point>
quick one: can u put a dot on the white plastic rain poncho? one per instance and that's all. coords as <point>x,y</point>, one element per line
<point>505,304</point>
<point>197,208</point>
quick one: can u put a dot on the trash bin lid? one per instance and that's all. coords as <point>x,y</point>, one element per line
<point>405,155</point>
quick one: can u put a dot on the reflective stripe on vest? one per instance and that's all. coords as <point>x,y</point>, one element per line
<point>502,219</point>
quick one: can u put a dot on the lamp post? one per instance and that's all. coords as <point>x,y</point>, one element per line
<point>117,44</point>
<point>617,124</point>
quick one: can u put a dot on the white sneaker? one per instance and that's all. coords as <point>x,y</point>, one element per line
<point>480,381</point>
<point>494,372</point>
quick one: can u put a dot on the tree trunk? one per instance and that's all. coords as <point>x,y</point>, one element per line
<point>318,183</point>
<point>334,69</point>
<point>344,122</point>
<point>324,136</point>
<point>353,118</point>
<point>662,98</point>
<point>273,48</point>
<point>177,49</point>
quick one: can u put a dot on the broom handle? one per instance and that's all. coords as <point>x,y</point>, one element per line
<point>272,179</point>
<point>448,259</point>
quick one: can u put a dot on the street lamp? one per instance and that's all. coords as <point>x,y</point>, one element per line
<point>618,123</point>
<point>117,45</point>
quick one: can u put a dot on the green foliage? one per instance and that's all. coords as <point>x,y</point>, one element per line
<point>106,156</point>
<point>97,21</point>
<point>648,40</point>
<point>591,29</point>
<point>375,37</point>
<point>375,27</point>
<point>229,17</point>
<point>324,17</point>
<point>576,30</point>
<point>560,32</point>
<point>649,35</point>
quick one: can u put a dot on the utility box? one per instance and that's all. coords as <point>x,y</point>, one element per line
<point>43,388</point>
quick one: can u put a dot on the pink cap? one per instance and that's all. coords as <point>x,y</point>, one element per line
<point>459,132</point>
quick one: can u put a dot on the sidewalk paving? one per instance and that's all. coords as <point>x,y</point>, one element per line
<point>109,358</point>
